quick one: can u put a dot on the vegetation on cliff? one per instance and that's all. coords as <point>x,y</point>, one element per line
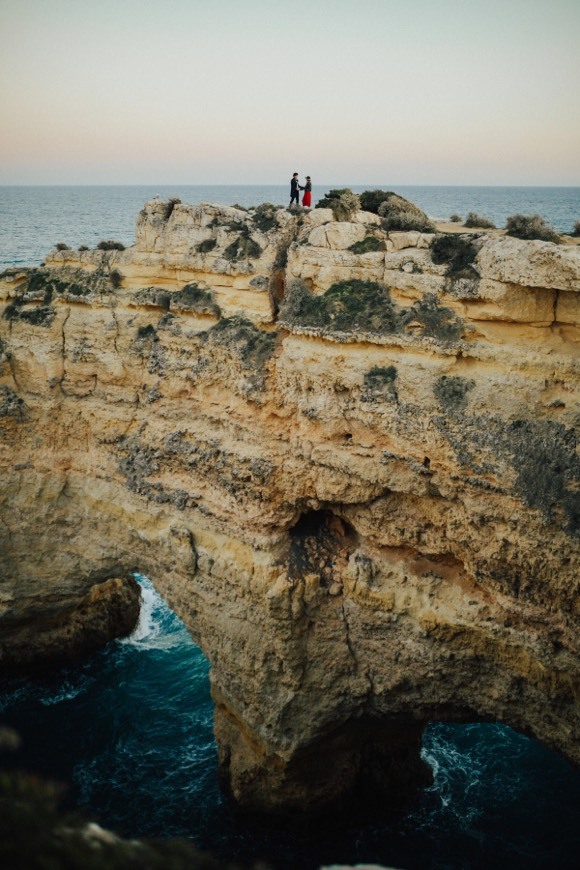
<point>11,405</point>
<point>243,247</point>
<point>368,244</point>
<point>458,252</point>
<point>397,213</point>
<point>530,227</point>
<point>367,307</point>
<point>42,286</point>
<point>264,217</point>
<point>343,202</point>
<point>252,346</point>
<point>380,383</point>
<point>476,220</point>
<point>195,299</point>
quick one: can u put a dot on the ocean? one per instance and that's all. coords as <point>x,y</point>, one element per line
<point>34,219</point>
<point>130,730</point>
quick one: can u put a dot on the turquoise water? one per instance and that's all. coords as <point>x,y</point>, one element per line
<point>34,219</point>
<point>131,730</point>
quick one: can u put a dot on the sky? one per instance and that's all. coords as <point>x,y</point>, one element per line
<point>347,91</point>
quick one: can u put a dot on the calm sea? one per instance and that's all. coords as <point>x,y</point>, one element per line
<point>34,219</point>
<point>131,729</point>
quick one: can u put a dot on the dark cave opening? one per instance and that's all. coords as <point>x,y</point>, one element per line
<point>319,541</point>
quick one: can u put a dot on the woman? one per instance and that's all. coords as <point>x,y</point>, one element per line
<point>307,198</point>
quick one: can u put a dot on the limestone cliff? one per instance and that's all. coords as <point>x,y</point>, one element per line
<point>347,458</point>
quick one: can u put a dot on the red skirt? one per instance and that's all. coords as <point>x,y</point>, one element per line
<point>307,199</point>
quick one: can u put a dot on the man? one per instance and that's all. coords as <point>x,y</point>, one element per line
<point>294,190</point>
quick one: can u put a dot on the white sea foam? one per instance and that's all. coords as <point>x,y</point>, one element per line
<point>66,692</point>
<point>157,627</point>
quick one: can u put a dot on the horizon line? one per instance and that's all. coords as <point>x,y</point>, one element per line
<point>373,185</point>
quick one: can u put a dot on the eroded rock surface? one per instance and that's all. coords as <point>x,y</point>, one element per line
<point>354,475</point>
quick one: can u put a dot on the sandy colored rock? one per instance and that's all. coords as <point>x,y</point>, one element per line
<point>337,236</point>
<point>364,505</point>
<point>531,264</point>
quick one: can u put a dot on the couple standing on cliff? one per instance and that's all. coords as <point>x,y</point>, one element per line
<point>295,187</point>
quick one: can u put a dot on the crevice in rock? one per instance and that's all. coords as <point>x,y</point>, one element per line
<point>320,542</point>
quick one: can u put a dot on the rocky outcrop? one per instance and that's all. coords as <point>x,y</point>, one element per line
<point>347,458</point>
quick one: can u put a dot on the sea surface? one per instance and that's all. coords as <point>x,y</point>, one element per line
<point>130,730</point>
<point>34,219</point>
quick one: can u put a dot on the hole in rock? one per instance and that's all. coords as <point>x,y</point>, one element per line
<point>131,729</point>
<point>322,522</point>
<point>320,543</point>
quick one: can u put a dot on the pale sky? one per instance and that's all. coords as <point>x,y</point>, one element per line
<point>248,91</point>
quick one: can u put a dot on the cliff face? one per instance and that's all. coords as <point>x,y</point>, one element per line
<point>353,475</point>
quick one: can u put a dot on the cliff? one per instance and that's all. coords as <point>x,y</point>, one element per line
<point>353,474</point>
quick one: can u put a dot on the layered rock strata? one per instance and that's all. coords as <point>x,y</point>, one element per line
<point>346,457</point>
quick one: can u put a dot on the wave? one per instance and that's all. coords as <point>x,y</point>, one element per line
<point>158,628</point>
<point>66,692</point>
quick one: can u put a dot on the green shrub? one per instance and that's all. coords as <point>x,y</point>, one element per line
<point>343,202</point>
<point>455,219</point>
<point>145,332</point>
<point>11,405</point>
<point>344,307</point>
<point>437,321</point>
<point>206,246</point>
<point>476,220</point>
<point>381,379</point>
<point>43,315</point>
<point>264,217</point>
<point>251,345</point>
<point>366,245</point>
<point>110,245</point>
<point>328,198</point>
<point>196,299</point>
<point>370,200</point>
<point>451,392</point>
<point>153,296</point>
<point>83,248</point>
<point>531,227</point>
<point>243,248</point>
<point>576,229</point>
<point>366,306</point>
<point>398,213</point>
<point>115,278</point>
<point>169,206</point>
<point>458,252</point>
<point>60,246</point>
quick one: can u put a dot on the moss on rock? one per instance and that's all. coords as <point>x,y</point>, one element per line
<point>366,245</point>
<point>379,383</point>
<point>252,346</point>
<point>11,405</point>
<point>196,299</point>
<point>451,393</point>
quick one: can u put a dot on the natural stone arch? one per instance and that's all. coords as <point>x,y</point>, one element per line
<point>187,447</point>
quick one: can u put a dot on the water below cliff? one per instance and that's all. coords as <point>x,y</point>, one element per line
<point>131,731</point>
